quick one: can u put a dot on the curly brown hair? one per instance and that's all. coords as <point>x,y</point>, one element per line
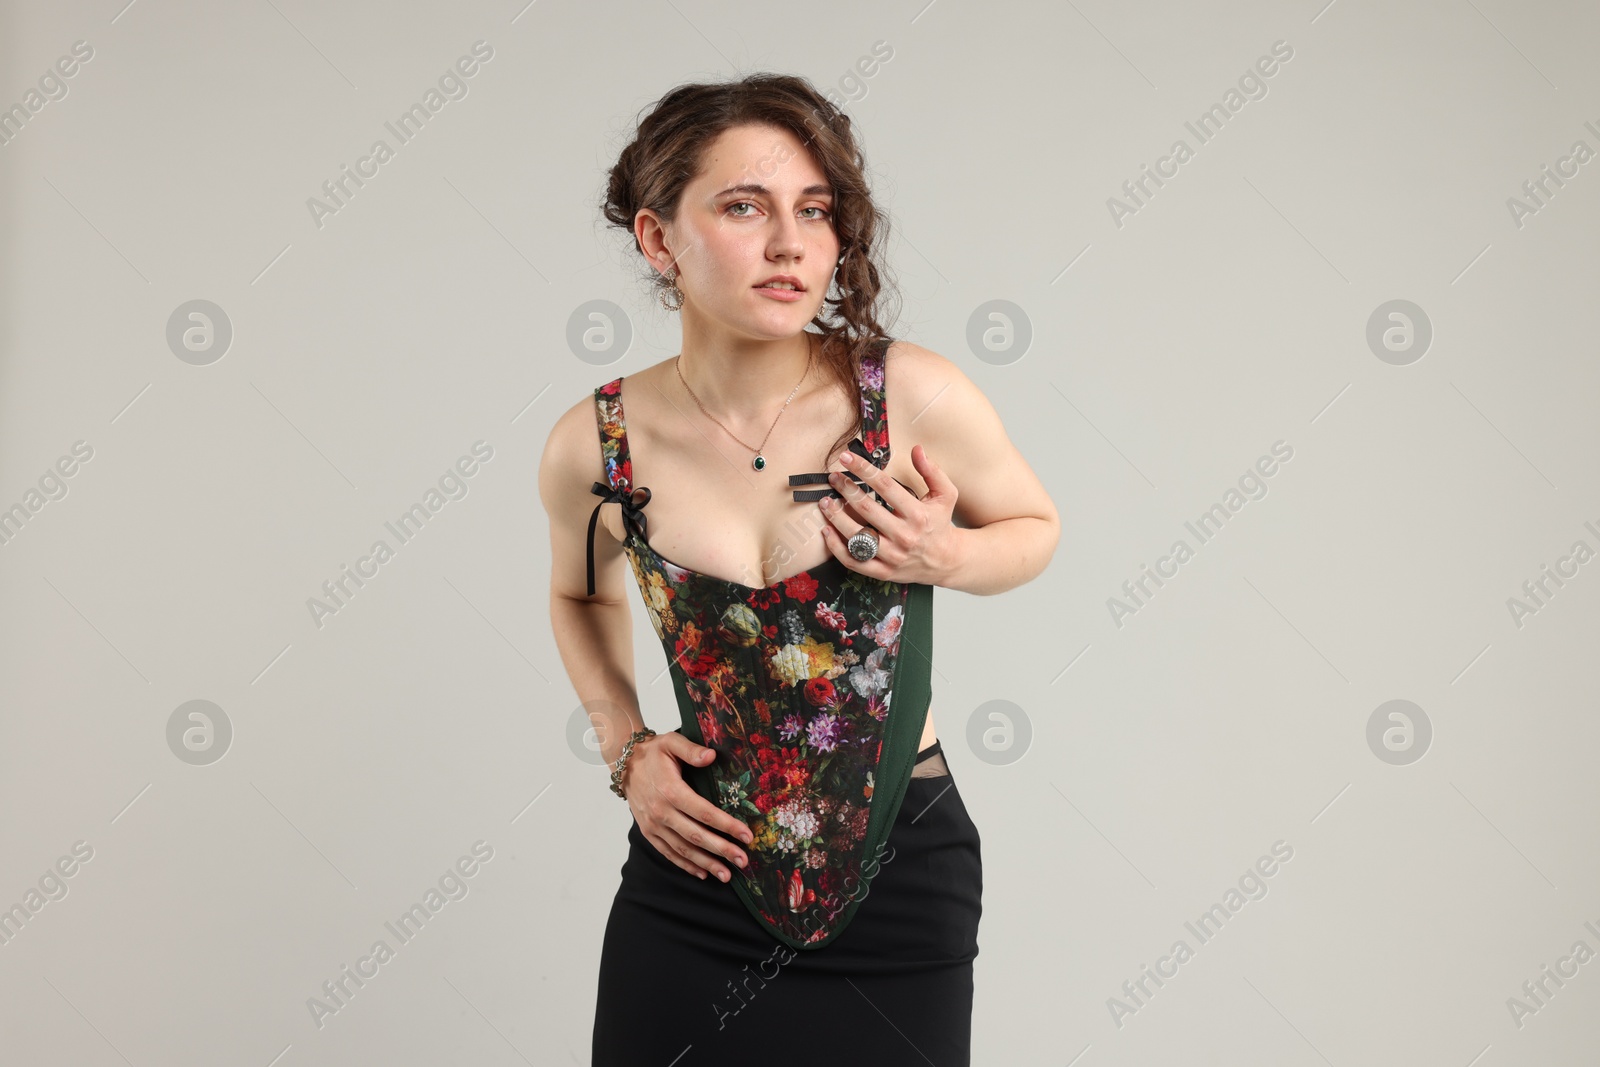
<point>665,155</point>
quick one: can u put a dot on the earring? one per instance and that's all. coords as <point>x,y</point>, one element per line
<point>671,291</point>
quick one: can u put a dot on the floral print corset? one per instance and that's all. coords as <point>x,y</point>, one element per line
<point>812,690</point>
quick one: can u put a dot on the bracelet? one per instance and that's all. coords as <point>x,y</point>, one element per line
<point>627,750</point>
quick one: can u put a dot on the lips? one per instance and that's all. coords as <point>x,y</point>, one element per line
<point>773,283</point>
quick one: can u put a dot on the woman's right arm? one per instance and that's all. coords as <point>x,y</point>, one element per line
<point>594,636</point>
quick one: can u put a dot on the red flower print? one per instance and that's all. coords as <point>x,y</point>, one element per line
<point>875,439</point>
<point>710,729</point>
<point>612,388</point>
<point>801,587</point>
<point>800,898</point>
<point>700,666</point>
<point>830,618</point>
<point>819,691</point>
<point>762,599</point>
<point>764,710</point>
<point>765,801</point>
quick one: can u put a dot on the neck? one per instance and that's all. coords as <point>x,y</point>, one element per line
<point>743,381</point>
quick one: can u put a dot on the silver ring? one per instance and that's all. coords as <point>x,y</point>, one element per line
<point>863,544</point>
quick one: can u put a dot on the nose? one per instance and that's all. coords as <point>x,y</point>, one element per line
<point>785,239</point>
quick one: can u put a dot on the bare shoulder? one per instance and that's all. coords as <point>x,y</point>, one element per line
<point>930,396</point>
<point>916,369</point>
<point>932,403</point>
<point>572,460</point>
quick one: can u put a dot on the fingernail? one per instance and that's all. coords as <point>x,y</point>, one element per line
<point>723,875</point>
<point>847,458</point>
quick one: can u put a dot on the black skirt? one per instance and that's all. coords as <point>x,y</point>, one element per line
<point>688,977</point>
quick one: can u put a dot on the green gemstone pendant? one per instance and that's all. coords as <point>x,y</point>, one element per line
<point>760,462</point>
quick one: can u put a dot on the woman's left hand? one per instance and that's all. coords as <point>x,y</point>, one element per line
<point>916,541</point>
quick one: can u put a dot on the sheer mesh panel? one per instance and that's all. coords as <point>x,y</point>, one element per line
<point>932,767</point>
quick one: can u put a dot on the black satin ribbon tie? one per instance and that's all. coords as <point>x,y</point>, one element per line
<point>803,495</point>
<point>633,516</point>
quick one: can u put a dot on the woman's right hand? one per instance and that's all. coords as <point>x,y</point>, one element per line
<point>680,823</point>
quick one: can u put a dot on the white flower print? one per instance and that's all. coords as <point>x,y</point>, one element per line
<point>870,679</point>
<point>791,664</point>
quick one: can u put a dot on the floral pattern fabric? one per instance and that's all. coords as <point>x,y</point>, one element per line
<point>791,683</point>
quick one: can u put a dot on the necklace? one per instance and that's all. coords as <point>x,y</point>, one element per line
<point>760,461</point>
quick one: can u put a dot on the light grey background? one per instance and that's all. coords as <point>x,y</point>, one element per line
<point>1167,355</point>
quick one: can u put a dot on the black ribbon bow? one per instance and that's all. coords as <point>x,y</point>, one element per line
<point>633,516</point>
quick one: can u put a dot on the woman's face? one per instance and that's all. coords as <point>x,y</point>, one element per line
<point>759,207</point>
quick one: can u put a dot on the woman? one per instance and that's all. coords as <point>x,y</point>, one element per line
<point>803,878</point>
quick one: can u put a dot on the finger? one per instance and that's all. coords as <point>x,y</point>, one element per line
<point>869,510</point>
<point>839,520</point>
<point>703,837</point>
<point>683,748</point>
<point>688,849</point>
<point>669,852</point>
<point>706,865</point>
<point>697,807</point>
<point>894,494</point>
<point>835,543</point>
<point>937,480</point>
<point>907,507</point>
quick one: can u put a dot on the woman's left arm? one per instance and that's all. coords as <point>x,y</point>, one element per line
<point>984,524</point>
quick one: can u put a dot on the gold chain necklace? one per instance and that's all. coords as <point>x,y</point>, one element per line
<point>760,462</point>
